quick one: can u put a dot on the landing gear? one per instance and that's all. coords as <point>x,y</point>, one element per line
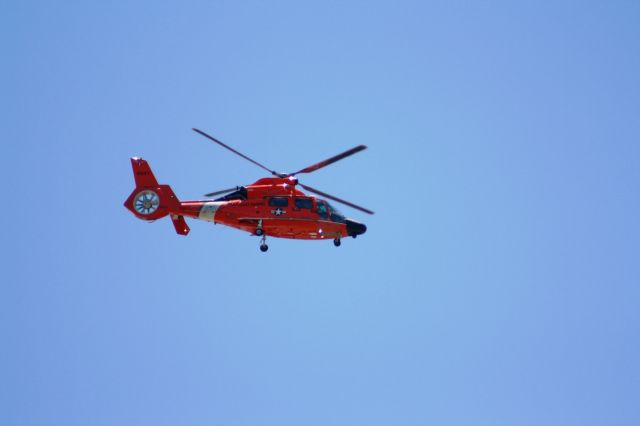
<point>263,244</point>
<point>336,242</point>
<point>259,231</point>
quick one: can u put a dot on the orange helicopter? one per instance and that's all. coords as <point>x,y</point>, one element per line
<point>271,206</point>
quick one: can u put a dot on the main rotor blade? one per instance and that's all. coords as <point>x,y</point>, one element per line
<point>339,200</point>
<point>331,160</point>
<point>224,191</point>
<point>233,150</point>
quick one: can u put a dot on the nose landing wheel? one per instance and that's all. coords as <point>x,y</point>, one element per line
<point>263,244</point>
<point>336,242</point>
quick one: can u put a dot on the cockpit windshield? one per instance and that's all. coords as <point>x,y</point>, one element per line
<point>335,215</point>
<point>327,211</point>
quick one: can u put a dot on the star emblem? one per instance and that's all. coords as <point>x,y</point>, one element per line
<point>278,211</point>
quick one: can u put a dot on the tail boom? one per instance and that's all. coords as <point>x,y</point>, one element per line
<point>150,201</point>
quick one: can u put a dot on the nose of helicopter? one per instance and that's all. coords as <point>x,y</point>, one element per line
<point>355,228</point>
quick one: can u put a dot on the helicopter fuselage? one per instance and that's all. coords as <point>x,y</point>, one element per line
<point>279,209</point>
<point>271,206</point>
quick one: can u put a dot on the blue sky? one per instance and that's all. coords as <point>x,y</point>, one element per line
<point>497,283</point>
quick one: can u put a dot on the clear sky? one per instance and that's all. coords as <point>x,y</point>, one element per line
<point>498,282</point>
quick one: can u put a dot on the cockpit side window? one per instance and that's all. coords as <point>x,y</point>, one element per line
<point>279,201</point>
<point>322,210</point>
<point>304,203</point>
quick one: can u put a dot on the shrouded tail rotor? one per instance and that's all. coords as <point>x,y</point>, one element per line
<point>146,202</point>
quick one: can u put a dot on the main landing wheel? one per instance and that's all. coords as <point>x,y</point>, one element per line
<point>337,242</point>
<point>259,232</point>
<point>263,244</point>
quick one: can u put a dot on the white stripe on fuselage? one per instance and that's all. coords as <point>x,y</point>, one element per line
<point>208,210</point>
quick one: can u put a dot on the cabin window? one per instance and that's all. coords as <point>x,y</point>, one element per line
<point>304,203</point>
<point>279,201</point>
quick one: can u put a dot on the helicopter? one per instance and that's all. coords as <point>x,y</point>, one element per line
<point>272,206</point>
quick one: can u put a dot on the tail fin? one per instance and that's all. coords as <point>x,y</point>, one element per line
<point>142,173</point>
<point>150,200</point>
